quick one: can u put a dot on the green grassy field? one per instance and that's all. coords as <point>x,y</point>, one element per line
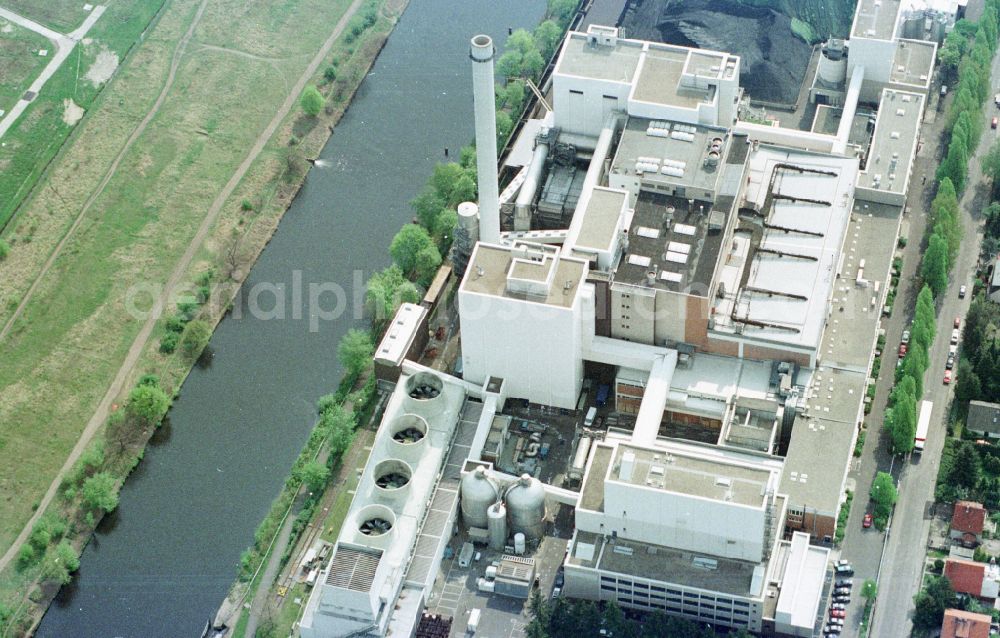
<point>37,136</point>
<point>60,15</point>
<point>20,63</point>
<point>72,337</point>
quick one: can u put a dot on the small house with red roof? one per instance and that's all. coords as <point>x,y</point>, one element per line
<point>965,624</point>
<point>967,522</point>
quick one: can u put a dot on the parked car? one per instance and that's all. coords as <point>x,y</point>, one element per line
<point>906,337</point>
<point>844,582</point>
<point>950,363</point>
<point>838,606</point>
<point>954,337</point>
<point>843,568</point>
<point>866,522</point>
<point>961,291</point>
<point>902,350</point>
<point>843,591</point>
<point>838,613</point>
<point>831,630</point>
<point>947,377</point>
<point>993,123</point>
<point>953,348</point>
<point>958,322</point>
<point>837,622</point>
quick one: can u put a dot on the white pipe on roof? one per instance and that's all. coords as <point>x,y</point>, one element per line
<point>522,212</point>
<point>850,107</point>
<point>654,400</point>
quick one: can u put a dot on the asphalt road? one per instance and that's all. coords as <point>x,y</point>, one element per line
<point>902,564</point>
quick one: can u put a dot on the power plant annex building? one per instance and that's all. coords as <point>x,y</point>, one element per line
<point>728,275</point>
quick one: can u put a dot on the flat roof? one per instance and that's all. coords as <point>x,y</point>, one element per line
<point>662,564</point>
<point>691,475</point>
<point>914,63</point>
<point>488,270</point>
<point>780,273</point>
<point>400,334</point>
<point>601,218</point>
<point>803,574</point>
<point>643,140</point>
<point>894,142</point>
<point>676,240</point>
<point>613,63</point>
<point>875,19</point>
<point>708,381</point>
<point>659,80</point>
<point>822,438</point>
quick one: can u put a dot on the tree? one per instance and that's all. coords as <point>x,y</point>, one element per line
<point>967,384</point>
<point>547,35</point>
<point>312,101</point>
<point>60,564</point>
<point>427,206</point>
<point>196,337</point>
<point>532,64</point>
<point>504,127</point>
<point>883,495</point>
<point>934,269</point>
<point>562,10</point>
<point>521,41</point>
<point>407,245</point>
<point>355,351</point>
<point>509,65</point>
<point>386,290</point>
<point>427,262</point>
<point>991,164</point>
<point>444,229</point>
<point>930,603</point>
<point>147,404</point>
<point>966,468</point>
<point>869,589</point>
<point>100,492</point>
<point>313,475</point>
<point>464,191</point>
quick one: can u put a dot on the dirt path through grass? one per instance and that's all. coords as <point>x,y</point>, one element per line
<point>174,64</point>
<point>140,341</point>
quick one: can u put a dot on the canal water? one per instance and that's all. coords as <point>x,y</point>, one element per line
<point>162,564</point>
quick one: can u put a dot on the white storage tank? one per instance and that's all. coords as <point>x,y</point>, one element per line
<point>519,544</point>
<point>526,504</point>
<point>497,525</point>
<point>479,491</point>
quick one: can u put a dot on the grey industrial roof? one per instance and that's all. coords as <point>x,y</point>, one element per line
<point>636,142</point>
<point>875,19</point>
<point>664,564</point>
<point>400,334</point>
<point>659,80</point>
<point>822,439</point>
<point>708,478</point>
<point>914,63</point>
<point>661,220</point>
<point>487,275</point>
<point>894,142</point>
<point>779,290</point>
<point>615,63</point>
<point>600,218</point>
<point>983,417</point>
<point>353,567</point>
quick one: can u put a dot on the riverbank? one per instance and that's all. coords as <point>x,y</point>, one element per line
<point>246,220</point>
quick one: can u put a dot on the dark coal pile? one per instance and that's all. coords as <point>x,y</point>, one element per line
<point>773,59</point>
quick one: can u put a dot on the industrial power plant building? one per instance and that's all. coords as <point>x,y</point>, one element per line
<point>727,275</point>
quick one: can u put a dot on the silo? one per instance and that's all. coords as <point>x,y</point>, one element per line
<point>496,517</point>
<point>526,504</point>
<point>479,491</point>
<point>466,235</point>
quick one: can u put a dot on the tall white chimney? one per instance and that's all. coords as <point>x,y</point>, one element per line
<point>486,138</point>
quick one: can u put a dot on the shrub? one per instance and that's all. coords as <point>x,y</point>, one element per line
<point>168,342</point>
<point>26,557</point>
<point>4,249</point>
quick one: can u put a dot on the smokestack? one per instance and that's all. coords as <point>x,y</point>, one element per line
<point>486,138</point>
